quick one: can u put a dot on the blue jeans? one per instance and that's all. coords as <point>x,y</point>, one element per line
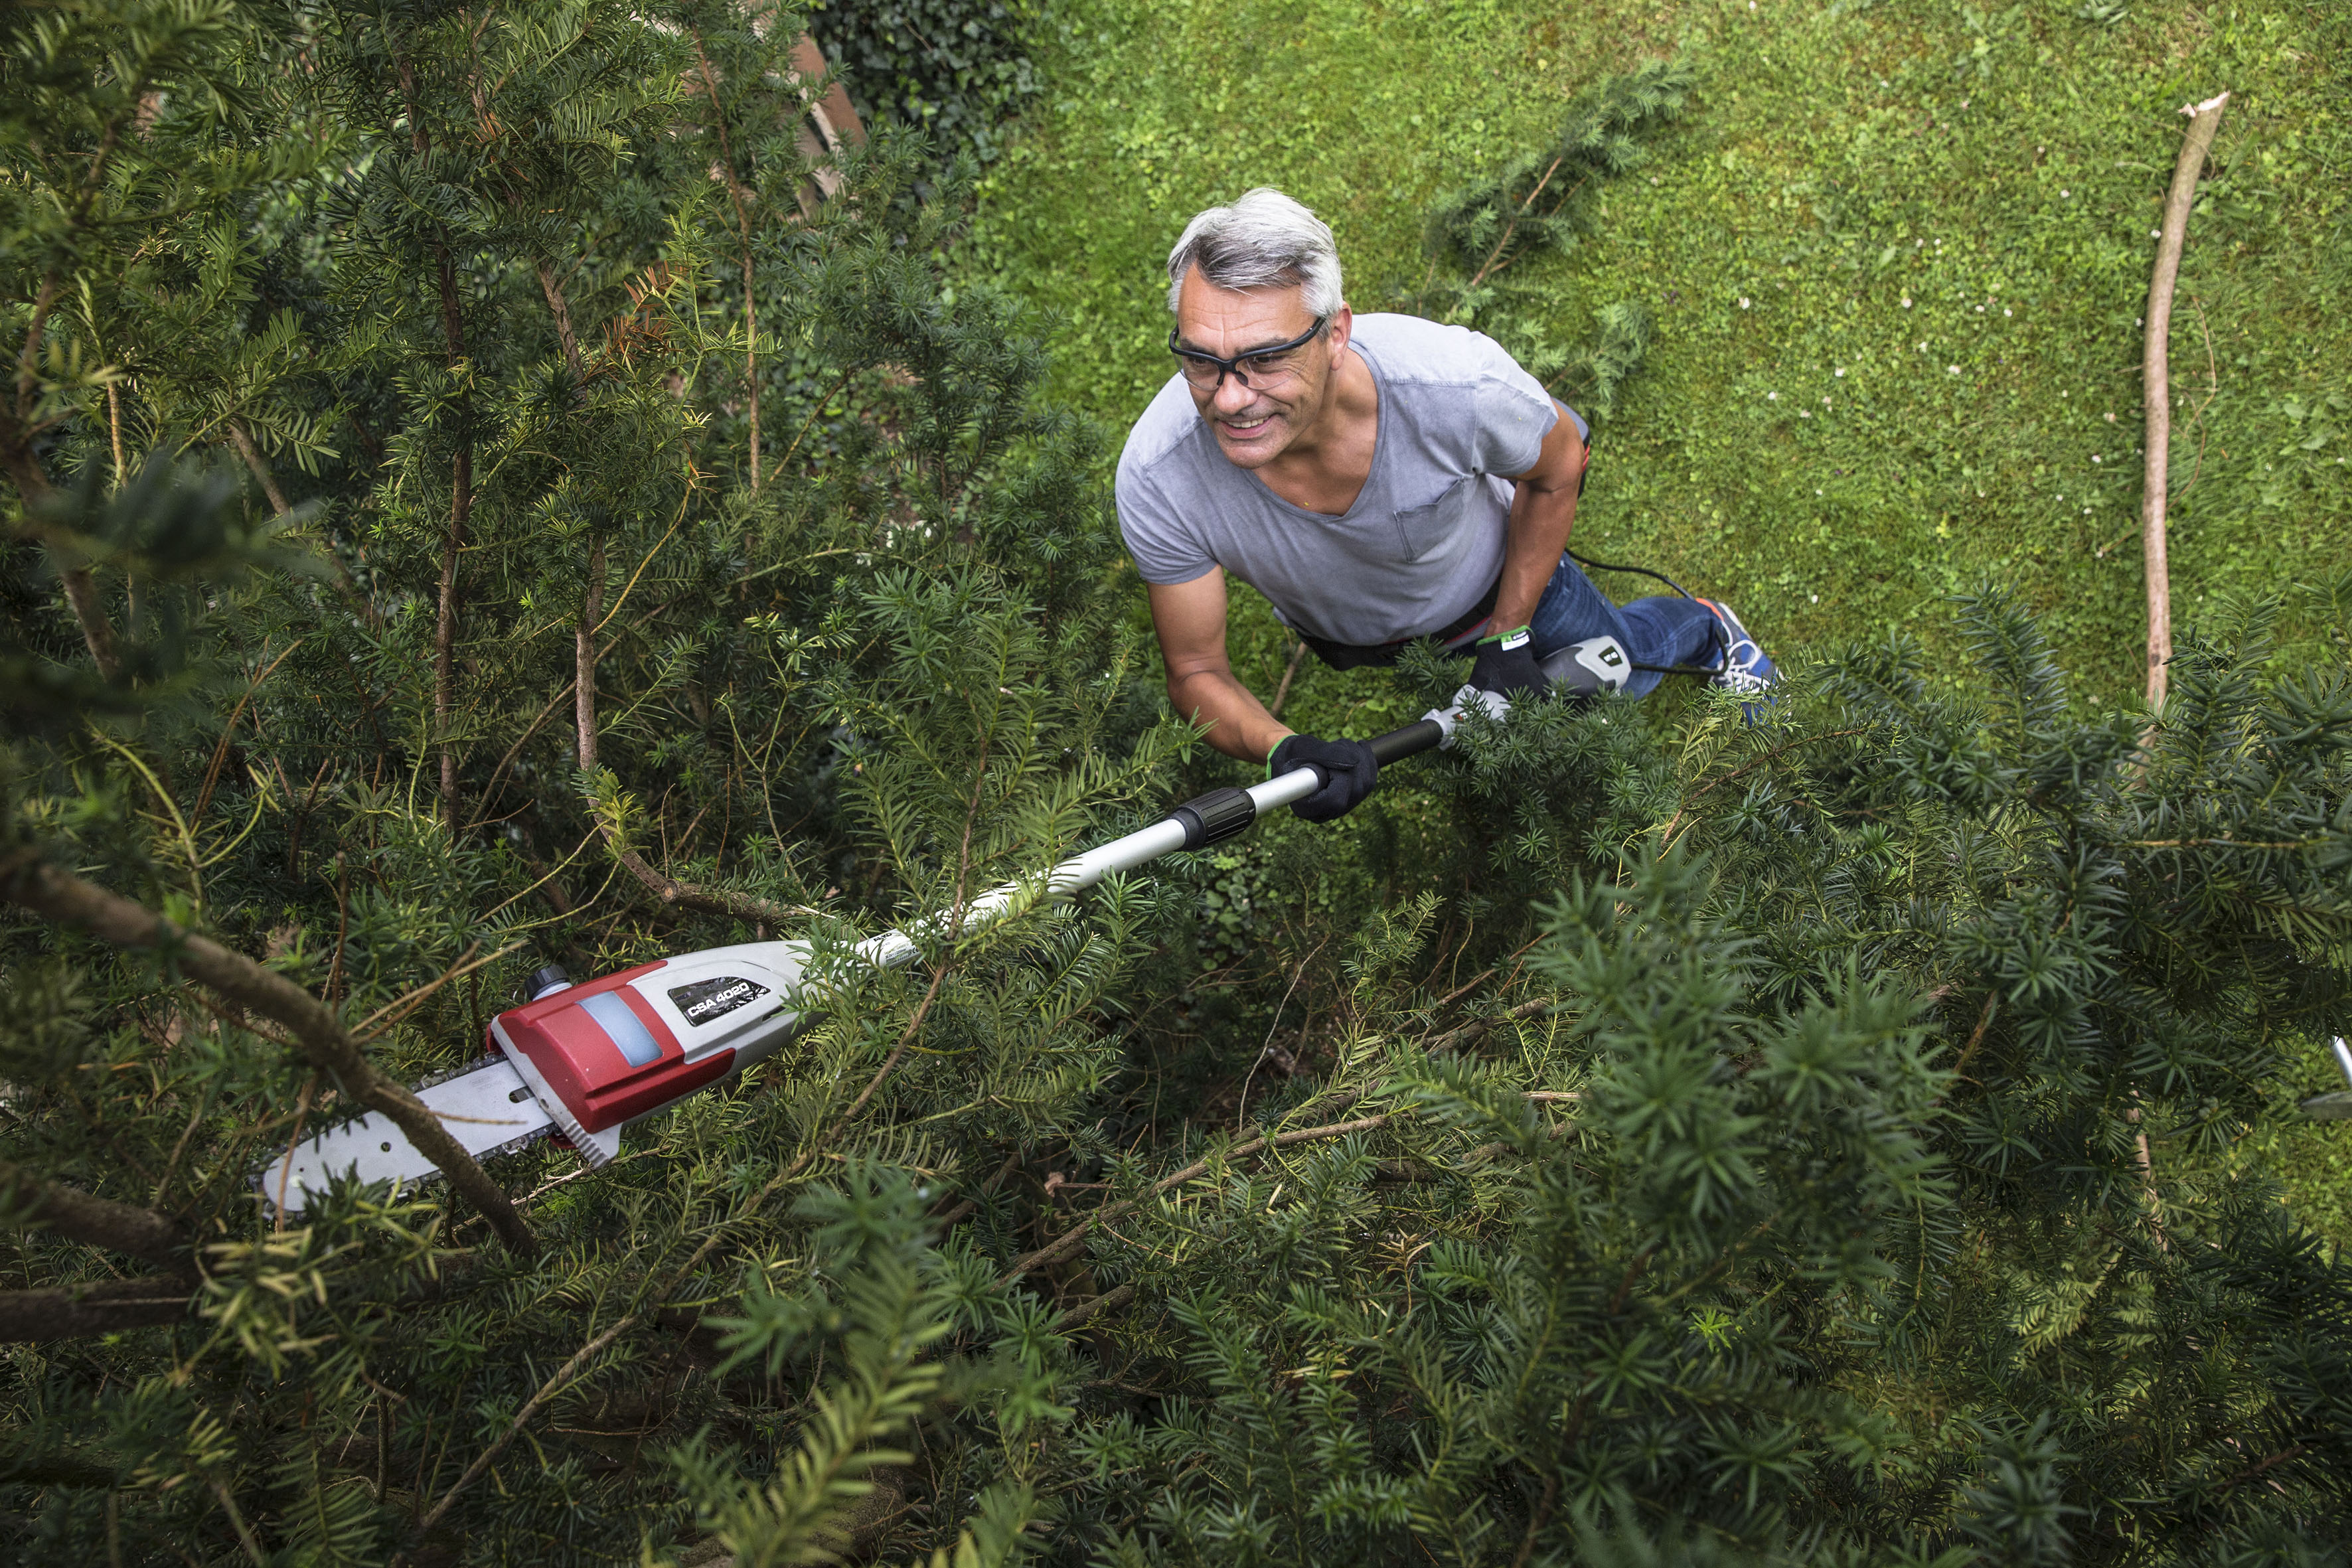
<point>1666,629</point>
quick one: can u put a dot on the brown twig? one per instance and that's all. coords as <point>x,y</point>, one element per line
<point>1068,1240</point>
<point>1976,1035</point>
<point>1289,672</point>
<point>1110,1301</point>
<point>220,752</point>
<point>1478,1028</point>
<point>1241,1113</point>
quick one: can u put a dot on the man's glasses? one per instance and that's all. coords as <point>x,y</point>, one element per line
<point>1259,370</point>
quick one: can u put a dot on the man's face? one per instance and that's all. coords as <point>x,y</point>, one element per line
<point>1256,423</point>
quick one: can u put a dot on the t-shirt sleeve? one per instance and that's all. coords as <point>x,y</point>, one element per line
<point>1165,551</point>
<point>1510,412</point>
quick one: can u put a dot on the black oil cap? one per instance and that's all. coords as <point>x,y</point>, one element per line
<point>543,982</point>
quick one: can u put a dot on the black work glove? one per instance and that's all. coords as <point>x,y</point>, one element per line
<point>1506,666</point>
<point>1348,770</point>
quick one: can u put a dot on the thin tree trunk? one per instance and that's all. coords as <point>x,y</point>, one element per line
<point>114,430</point>
<point>2156,391</point>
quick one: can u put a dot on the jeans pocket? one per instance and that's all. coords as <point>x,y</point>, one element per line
<point>1427,530</point>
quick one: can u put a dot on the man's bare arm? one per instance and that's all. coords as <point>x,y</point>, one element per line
<point>1543,513</point>
<point>1190,620</point>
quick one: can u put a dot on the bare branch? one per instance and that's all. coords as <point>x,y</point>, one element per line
<point>2156,373</point>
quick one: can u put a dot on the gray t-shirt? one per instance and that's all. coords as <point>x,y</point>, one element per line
<point>1423,540</point>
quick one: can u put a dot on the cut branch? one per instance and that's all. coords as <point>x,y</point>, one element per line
<point>2156,392</point>
<point>316,1033</point>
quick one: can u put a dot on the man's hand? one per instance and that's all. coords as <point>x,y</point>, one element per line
<point>1506,666</point>
<point>1348,769</point>
<point>1190,620</point>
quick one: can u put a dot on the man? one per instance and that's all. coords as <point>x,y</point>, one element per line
<point>1379,480</point>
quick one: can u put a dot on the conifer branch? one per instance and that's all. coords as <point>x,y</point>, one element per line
<point>735,195</point>
<point>31,1200</point>
<point>243,438</point>
<point>316,1033</point>
<point>100,1307</point>
<point>660,884</point>
<point>1061,1246</point>
<point>34,490</point>
<point>664,1288</point>
<point>1110,1301</point>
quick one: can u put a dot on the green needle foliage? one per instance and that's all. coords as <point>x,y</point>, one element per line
<point>465,512</point>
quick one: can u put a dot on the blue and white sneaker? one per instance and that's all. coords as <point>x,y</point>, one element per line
<point>1744,668</point>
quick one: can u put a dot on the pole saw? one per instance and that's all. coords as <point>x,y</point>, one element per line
<point>583,1060</point>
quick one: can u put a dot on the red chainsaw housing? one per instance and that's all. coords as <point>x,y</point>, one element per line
<point>585,1068</point>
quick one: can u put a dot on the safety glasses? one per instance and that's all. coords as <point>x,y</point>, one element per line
<point>1260,370</point>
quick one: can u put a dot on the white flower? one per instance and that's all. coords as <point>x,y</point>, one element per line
<point>1804,414</point>
<point>1825,403</point>
<point>2111,418</point>
<point>1775,397</point>
<point>1841,370</point>
<point>1816,598</point>
<point>1979,310</point>
<point>1743,302</point>
<point>2007,311</point>
<point>2065,196</point>
<point>2094,457</point>
<point>1923,348</point>
<point>1906,301</point>
<point>1954,369</point>
<point>1817,490</point>
<point>2152,234</point>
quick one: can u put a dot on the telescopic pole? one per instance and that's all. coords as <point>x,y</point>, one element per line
<point>1200,821</point>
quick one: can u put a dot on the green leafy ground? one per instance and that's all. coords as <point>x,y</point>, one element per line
<point>1896,255</point>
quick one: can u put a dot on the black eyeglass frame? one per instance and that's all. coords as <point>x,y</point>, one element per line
<point>1232,366</point>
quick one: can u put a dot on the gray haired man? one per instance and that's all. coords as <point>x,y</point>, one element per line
<point>1379,479</point>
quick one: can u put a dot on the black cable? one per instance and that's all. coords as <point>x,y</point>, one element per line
<point>1644,571</point>
<point>1715,623</point>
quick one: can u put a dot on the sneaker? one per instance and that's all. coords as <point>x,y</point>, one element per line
<point>1744,668</point>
